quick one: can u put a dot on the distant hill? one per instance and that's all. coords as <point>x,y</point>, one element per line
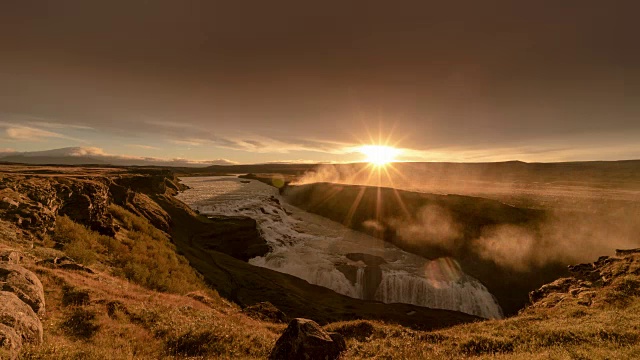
<point>95,156</point>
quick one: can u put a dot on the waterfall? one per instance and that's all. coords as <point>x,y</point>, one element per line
<point>359,285</point>
<point>312,248</point>
<point>465,295</point>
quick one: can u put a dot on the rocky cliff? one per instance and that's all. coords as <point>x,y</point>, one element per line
<point>608,280</point>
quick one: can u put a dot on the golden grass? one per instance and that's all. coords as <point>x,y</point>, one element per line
<point>143,302</point>
<point>144,255</point>
<point>121,320</point>
<point>607,330</point>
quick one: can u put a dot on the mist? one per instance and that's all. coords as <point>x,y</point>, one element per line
<point>590,209</point>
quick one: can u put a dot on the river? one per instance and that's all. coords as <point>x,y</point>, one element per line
<point>328,254</point>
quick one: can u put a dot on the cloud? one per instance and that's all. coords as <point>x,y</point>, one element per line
<point>296,161</point>
<point>191,135</point>
<point>53,125</point>
<point>140,146</point>
<point>25,133</point>
<point>203,162</point>
<point>187,142</point>
<point>33,131</point>
<point>87,151</point>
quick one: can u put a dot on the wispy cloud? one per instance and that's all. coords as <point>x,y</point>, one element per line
<point>25,133</point>
<point>87,151</point>
<point>53,125</point>
<point>36,131</point>
<point>187,142</point>
<point>145,147</point>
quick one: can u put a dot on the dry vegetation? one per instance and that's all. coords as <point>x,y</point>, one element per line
<point>568,333</point>
<point>144,301</point>
<point>142,254</point>
<point>100,316</point>
<point>608,329</point>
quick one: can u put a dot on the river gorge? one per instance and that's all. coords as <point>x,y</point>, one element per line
<point>327,254</point>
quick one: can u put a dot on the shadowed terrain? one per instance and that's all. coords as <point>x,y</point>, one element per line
<point>443,225</point>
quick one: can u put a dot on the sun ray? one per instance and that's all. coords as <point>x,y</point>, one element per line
<point>334,191</point>
<point>354,206</point>
<point>395,192</point>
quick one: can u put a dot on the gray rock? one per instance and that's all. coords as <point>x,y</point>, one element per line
<point>65,263</point>
<point>305,339</point>
<point>17,315</point>
<point>23,283</point>
<point>10,256</point>
<point>265,311</point>
<point>10,343</point>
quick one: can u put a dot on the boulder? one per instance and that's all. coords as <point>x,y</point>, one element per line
<point>559,286</point>
<point>65,263</point>
<point>10,256</point>
<point>18,316</point>
<point>23,283</point>
<point>10,343</point>
<point>265,311</point>
<point>305,339</point>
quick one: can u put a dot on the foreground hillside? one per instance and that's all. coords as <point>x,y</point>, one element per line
<point>115,255</point>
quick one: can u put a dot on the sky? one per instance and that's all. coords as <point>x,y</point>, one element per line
<point>269,81</point>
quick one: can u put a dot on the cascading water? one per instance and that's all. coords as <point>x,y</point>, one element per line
<point>359,285</point>
<point>328,254</point>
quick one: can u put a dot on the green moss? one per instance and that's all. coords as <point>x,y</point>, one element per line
<point>144,256</point>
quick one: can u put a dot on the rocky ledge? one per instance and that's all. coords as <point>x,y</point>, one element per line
<point>609,279</point>
<point>33,201</point>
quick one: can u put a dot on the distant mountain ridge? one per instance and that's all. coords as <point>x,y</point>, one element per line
<point>96,156</point>
<point>621,170</point>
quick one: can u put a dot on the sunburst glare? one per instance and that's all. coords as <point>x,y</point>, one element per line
<point>379,155</point>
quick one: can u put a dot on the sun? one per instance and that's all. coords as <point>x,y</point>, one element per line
<point>379,155</point>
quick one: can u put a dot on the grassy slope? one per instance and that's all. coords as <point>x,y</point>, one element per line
<point>106,315</point>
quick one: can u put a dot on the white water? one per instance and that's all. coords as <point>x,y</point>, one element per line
<point>311,247</point>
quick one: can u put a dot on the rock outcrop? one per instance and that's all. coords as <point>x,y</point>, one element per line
<point>610,279</point>
<point>24,284</point>
<point>10,343</point>
<point>18,316</point>
<point>33,203</point>
<point>21,301</point>
<point>305,339</point>
<point>265,311</point>
<point>64,263</point>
